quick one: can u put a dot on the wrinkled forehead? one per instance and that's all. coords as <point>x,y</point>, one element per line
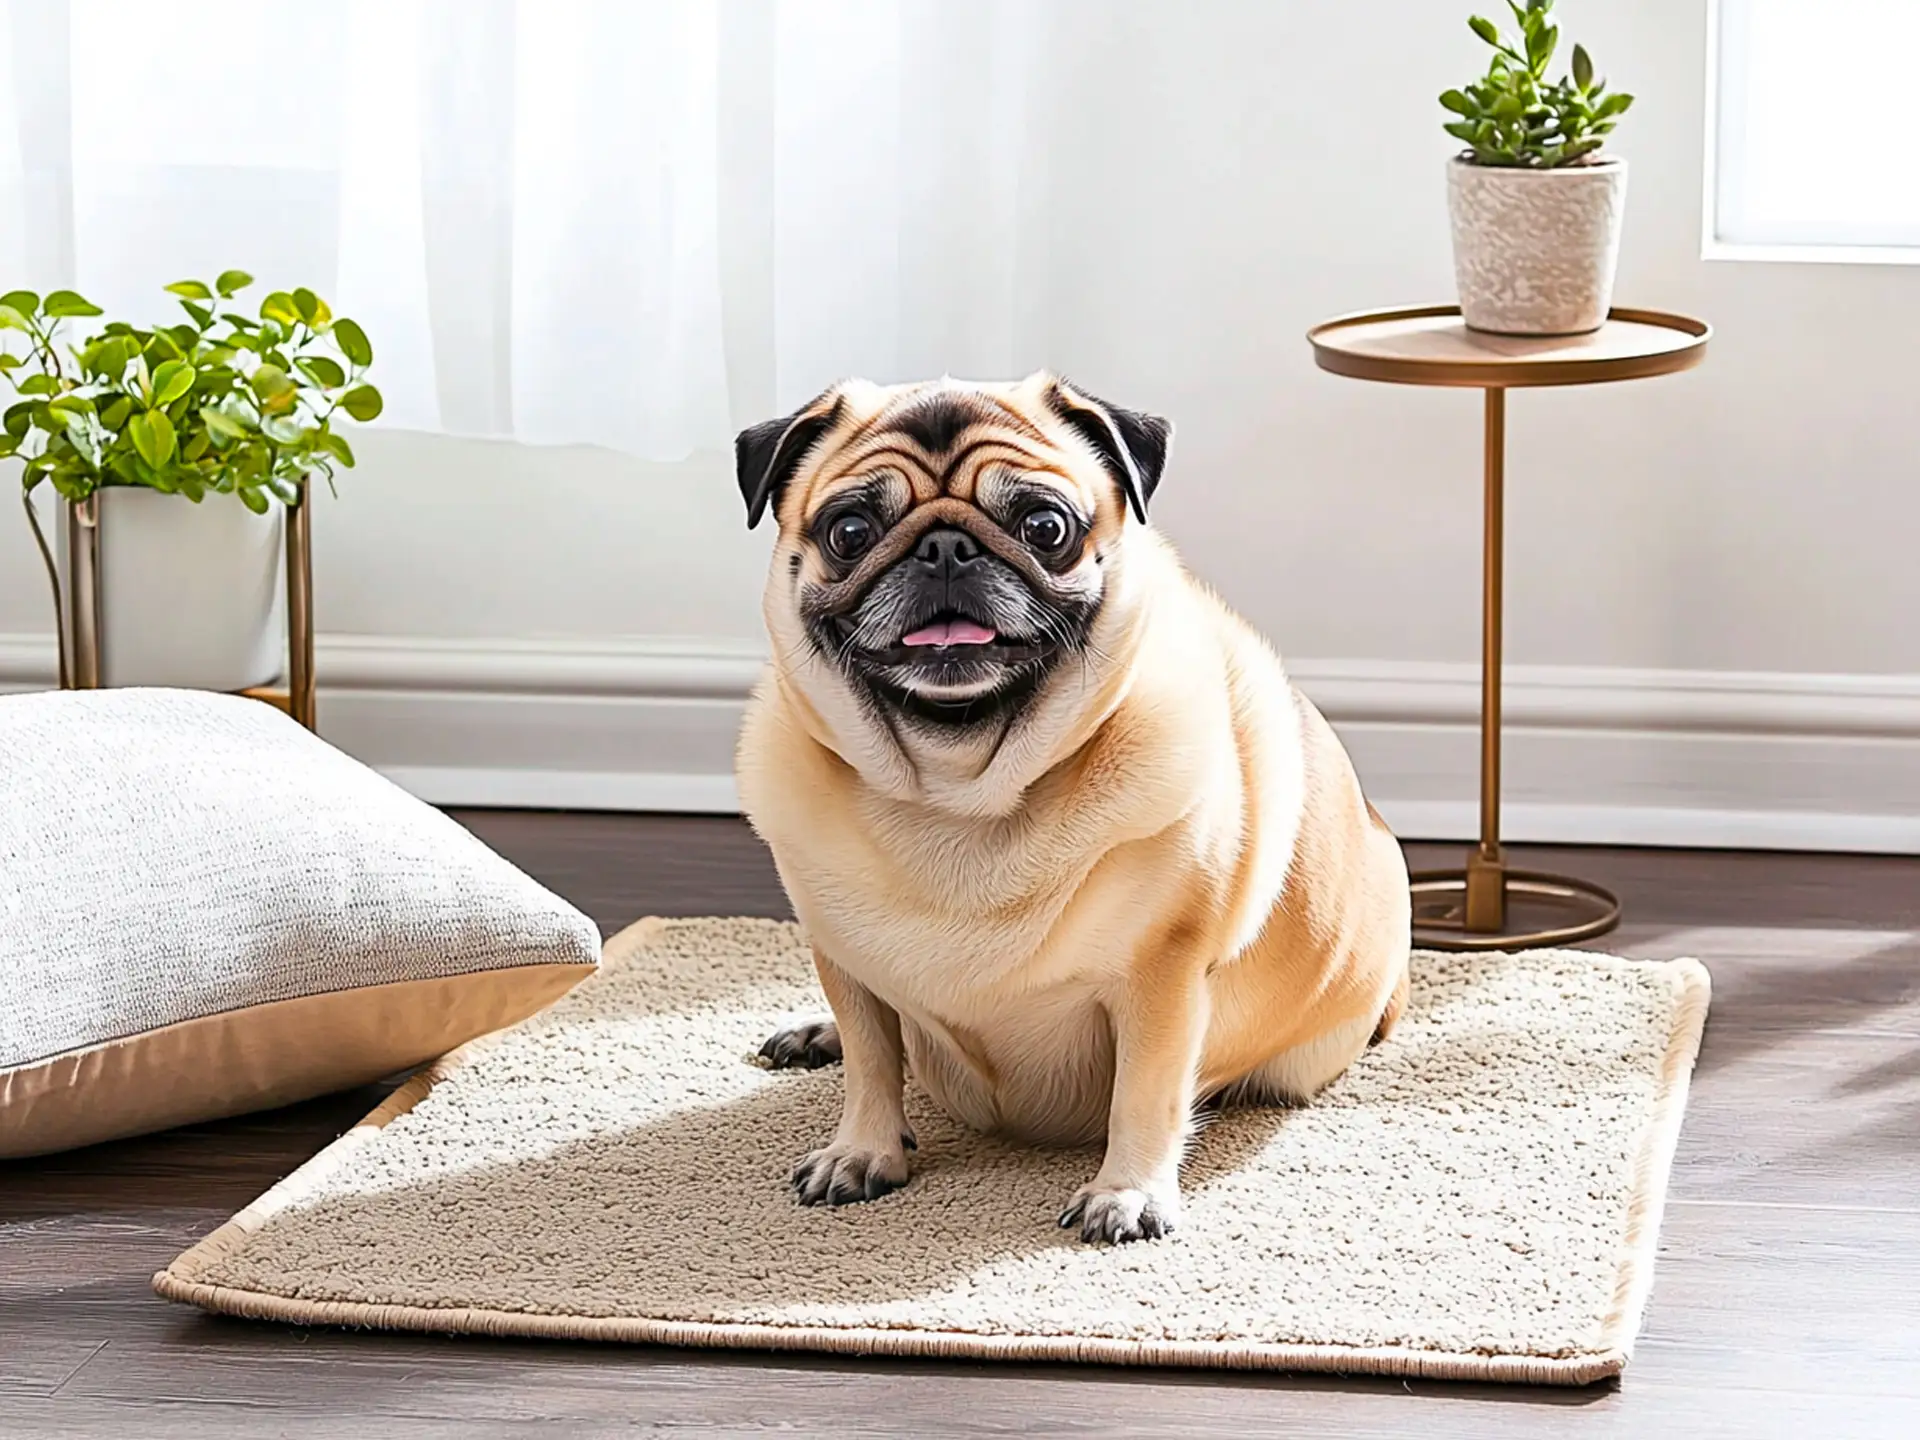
<point>918,443</point>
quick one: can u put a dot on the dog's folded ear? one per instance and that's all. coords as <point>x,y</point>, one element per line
<point>765,456</point>
<point>1132,445</point>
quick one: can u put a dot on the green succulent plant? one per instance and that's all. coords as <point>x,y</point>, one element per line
<point>1513,116</point>
<point>222,403</point>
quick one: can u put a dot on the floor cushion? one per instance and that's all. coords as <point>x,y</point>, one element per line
<point>206,909</point>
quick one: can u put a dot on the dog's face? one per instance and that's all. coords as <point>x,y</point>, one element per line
<point>946,550</point>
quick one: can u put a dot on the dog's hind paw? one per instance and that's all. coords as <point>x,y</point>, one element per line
<point>804,1047</point>
<point>1114,1217</point>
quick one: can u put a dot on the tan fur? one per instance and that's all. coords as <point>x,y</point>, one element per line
<point>1162,884</point>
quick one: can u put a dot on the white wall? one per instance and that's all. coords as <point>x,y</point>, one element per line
<point>1221,176</point>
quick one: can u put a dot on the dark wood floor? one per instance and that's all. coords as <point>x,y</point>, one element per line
<point>1787,1303</point>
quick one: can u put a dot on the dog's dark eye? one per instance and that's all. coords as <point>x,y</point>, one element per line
<point>850,536</point>
<point>1045,529</point>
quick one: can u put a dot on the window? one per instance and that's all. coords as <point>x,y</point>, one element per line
<point>1810,149</point>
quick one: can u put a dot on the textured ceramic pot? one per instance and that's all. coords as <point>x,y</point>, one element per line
<point>189,595</point>
<point>1534,251</point>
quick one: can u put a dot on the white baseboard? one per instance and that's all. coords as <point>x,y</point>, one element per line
<point>569,789</point>
<point>1592,755</point>
<point>1583,824</point>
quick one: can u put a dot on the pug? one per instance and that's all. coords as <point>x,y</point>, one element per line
<point>1067,844</point>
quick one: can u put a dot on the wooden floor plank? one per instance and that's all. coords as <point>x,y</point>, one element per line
<point>1785,1303</point>
<point>36,1362</point>
<point>1745,1298</point>
<point>1808,1085</point>
<point>619,868</point>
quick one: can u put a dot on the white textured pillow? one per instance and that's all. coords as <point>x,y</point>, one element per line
<point>205,909</point>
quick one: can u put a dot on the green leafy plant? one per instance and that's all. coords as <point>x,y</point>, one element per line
<point>1512,116</point>
<point>221,403</point>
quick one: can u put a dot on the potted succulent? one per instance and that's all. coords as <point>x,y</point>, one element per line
<point>1536,206</point>
<point>238,411</point>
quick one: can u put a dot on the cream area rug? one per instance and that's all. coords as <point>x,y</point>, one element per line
<point>1478,1198</point>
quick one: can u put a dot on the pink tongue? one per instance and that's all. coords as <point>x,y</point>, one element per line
<point>950,632</point>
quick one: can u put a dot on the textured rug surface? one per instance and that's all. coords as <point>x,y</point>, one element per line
<point>1477,1198</point>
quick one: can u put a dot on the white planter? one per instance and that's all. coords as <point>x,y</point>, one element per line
<point>190,595</point>
<point>1534,251</point>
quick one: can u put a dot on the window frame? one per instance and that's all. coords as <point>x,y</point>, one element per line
<point>1712,247</point>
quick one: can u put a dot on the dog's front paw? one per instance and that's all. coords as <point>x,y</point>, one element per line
<point>847,1174</point>
<point>1115,1216</point>
<point>804,1047</point>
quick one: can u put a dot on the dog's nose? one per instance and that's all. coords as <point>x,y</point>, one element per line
<point>946,551</point>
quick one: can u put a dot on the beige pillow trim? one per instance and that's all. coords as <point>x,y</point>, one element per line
<point>261,1056</point>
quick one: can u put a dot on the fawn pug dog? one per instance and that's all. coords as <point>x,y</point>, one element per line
<point>1063,836</point>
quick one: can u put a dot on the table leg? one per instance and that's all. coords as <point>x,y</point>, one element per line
<point>1469,909</point>
<point>1486,905</point>
<point>83,590</point>
<point>300,685</point>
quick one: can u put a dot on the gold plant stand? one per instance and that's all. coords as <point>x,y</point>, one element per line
<point>1472,908</point>
<point>77,611</point>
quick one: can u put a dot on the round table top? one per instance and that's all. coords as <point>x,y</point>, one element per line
<point>1431,345</point>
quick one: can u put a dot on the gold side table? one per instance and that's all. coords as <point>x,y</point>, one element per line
<point>77,611</point>
<point>1468,909</point>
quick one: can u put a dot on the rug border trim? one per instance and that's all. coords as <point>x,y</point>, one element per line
<point>179,1280</point>
<point>1654,1168</point>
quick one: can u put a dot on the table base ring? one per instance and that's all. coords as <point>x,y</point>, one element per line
<point>1439,911</point>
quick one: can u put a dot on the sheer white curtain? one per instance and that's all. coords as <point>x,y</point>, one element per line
<point>631,223</point>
